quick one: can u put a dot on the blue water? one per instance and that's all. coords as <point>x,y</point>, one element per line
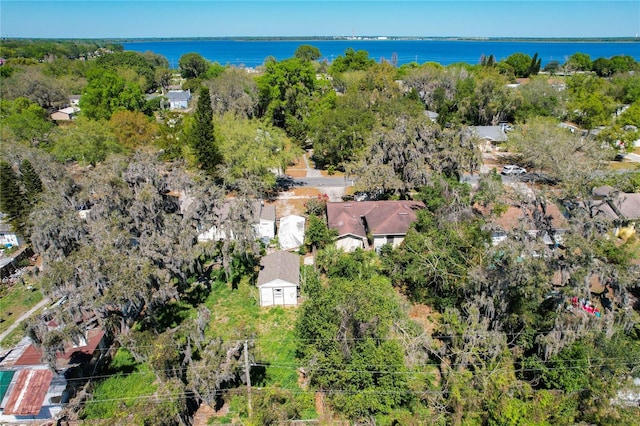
<point>253,53</point>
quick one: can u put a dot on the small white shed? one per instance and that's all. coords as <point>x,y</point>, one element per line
<point>279,279</point>
<point>291,232</point>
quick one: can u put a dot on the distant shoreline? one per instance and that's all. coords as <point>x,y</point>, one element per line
<point>350,38</point>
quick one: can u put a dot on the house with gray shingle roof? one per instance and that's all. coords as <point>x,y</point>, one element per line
<point>490,136</point>
<point>279,279</point>
<point>179,99</point>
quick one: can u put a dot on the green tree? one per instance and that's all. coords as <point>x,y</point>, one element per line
<point>351,61</point>
<point>106,92</point>
<point>86,141</point>
<point>31,181</point>
<point>345,342</point>
<point>318,235</point>
<point>22,120</point>
<point>307,52</point>
<point>538,98</point>
<point>285,91</point>
<point>520,63</point>
<point>192,65</point>
<point>589,103</point>
<point>578,62</point>
<point>251,151</point>
<point>11,198</point>
<point>201,135</point>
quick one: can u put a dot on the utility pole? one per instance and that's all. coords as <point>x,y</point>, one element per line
<point>247,377</point>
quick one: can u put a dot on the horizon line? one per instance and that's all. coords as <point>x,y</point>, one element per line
<point>380,37</point>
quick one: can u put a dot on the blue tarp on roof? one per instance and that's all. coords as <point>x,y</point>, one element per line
<point>5,379</point>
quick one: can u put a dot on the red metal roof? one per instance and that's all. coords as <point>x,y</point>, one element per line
<point>71,356</point>
<point>28,393</point>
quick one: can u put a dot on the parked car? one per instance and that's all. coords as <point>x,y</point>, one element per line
<point>513,170</point>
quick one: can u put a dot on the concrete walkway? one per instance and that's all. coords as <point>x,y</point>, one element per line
<point>310,172</point>
<point>23,317</point>
<point>633,157</point>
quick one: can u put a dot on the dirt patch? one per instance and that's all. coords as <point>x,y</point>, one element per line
<point>306,192</point>
<point>205,412</point>
<point>297,173</point>
<point>423,315</point>
<point>286,207</point>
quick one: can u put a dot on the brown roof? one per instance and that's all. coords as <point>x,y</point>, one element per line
<point>28,393</point>
<point>625,206</point>
<point>514,217</point>
<point>380,217</point>
<point>71,356</point>
<point>280,265</point>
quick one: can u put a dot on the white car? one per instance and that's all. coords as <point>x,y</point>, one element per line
<point>513,170</point>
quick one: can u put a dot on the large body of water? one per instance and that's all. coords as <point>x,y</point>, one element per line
<point>252,53</point>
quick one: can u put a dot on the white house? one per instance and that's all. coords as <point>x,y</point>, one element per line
<point>179,99</point>
<point>65,114</point>
<point>74,100</point>
<point>279,279</point>
<point>291,232</point>
<point>490,136</point>
<point>8,238</point>
<point>264,221</point>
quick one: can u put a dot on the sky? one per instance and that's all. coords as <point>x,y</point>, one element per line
<point>425,18</point>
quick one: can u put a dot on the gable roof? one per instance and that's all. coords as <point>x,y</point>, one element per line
<point>623,206</point>
<point>514,217</point>
<point>71,355</point>
<point>263,211</point>
<point>493,133</point>
<point>380,217</point>
<point>280,265</point>
<point>178,95</point>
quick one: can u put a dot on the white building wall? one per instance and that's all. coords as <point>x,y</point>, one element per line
<point>349,244</point>
<point>278,292</point>
<point>8,239</point>
<point>380,240</point>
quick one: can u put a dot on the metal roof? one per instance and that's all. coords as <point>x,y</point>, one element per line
<point>28,392</point>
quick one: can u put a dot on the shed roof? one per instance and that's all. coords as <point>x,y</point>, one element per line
<point>27,396</point>
<point>71,356</point>
<point>5,379</point>
<point>280,265</point>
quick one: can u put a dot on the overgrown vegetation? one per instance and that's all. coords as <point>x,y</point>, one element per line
<point>114,201</point>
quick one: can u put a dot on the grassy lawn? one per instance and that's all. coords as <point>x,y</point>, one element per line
<point>236,315</point>
<point>127,391</point>
<point>15,301</point>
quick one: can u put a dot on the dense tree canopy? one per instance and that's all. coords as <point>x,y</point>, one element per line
<point>192,65</point>
<point>106,92</point>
